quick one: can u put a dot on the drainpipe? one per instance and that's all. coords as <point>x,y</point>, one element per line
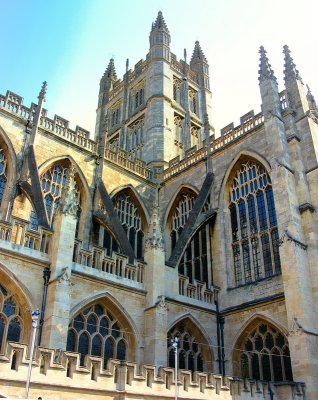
<point>46,278</point>
<point>218,335</point>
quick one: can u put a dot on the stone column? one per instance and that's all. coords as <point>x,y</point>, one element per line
<point>156,313</point>
<point>56,318</point>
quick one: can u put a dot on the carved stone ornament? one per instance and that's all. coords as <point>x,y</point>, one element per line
<point>70,200</point>
<point>63,277</point>
<point>296,328</point>
<point>161,303</point>
<point>288,237</point>
<point>154,239</point>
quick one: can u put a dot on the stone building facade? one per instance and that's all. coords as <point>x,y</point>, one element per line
<point>156,229</point>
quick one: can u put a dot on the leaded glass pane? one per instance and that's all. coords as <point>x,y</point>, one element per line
<point>109,351</point>
<point>261,211</point>
<point>83,344</point>
<point>266,368</point>
<point>2,326</point>
<point>70,345</point>
<point>267,255</point>
<point>244,366</point>
<point>96,346</point>
<point>9,307</point>
<point>121,350</point>
<point>277,366</point>
<point>14,331</point>
<point>255,366</point>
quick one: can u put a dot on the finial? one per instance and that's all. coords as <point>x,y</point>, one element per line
<point>290,71</point>
<point>160,23</point>
<point>110,71</point>
<point>265,71</point>
<point>42,93</point>
<point>198,53</point>
<point>185,55</point>
<point>127,65</point>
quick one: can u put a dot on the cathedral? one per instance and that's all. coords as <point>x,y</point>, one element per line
<point>156,228</point>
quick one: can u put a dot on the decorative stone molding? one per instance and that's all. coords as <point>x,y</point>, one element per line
<point>161,303</point>
<point>63,277</point>
<point>306,206</point>
<point>287,236</point>
<point>296,328</point>
<point>154,239</point>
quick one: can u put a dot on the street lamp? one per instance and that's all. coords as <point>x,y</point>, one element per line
<point>35,317</point>
<point>174,343</point>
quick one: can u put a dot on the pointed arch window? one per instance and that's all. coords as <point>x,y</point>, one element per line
<point>96,332</point>
<point>3,173</point>
<point>53,182</point>
<point>10,319</point>
<point>196,260</point>
<point>253,222</point>
<point>265,355</point>
<point>190,349</point>
<point>131,219</point>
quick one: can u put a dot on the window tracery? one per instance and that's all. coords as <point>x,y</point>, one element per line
<point>178,133</point>
<point>52,182</point>
<point>135,140</point>
<point>193,101</point>
<point>194,262</point>
<point>265,355</point>
<point>10,319</point>
<point>189,349</point>
<point>96,332</point>
<point>255,238</point>
<point>3,174</point>
<point>177,90</point>
<point>131,220</point>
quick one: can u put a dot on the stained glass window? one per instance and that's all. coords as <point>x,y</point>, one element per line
<point>95,331</point>
<point>194,261</point>
<point>189,350</point>
<point>3,174</point>
<point>131,220</point>
<point>10,319</point>
<point>253,224</point>
<point>265,355</point>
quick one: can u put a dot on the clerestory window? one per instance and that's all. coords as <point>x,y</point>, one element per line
<point>194,262</point>
<point>3,174</point>
<point>255,241</point>
<point>131,220</point>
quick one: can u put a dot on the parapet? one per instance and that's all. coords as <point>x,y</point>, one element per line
<point>59,374</point>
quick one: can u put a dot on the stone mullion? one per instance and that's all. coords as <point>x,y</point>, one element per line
<point>209,256</point>
<point>249,238</point>
<point>200,255</point>
<point>259,235</point>
<point>269,230</point>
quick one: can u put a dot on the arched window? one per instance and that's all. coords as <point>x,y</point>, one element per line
<point>177,90</point>
<point>193,353</point>
<point>10,319</point>
<point>96,332</point>
<point>265,355</point>
<point>255,238</point>
<point>52,182</point>
<point>178,132</point>
<point>3,174</point>
<point>194,262</point>
<point>131,219</point>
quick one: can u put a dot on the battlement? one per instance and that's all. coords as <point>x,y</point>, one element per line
<point>61,375</point>
<point>58,126</point>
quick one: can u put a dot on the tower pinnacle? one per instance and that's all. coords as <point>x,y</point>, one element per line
<point>265,70</point>
<point>42,93</point>
<point>110,72</point>
<point>198,54</point>
<point>290,71</point>
<point>160,23</point>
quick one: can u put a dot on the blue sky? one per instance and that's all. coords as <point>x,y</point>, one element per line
<point>69,43</point>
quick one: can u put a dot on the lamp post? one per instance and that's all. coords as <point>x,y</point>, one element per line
<point>174,343</point>
<point>35,317</point>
